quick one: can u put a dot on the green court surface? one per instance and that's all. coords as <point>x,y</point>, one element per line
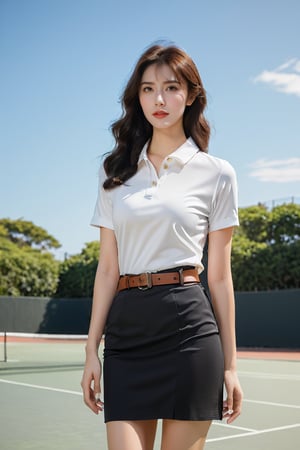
<point>42,407</point>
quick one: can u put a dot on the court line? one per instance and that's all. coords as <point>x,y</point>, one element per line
<point>66,391</point>
<point>265,375</point>
<point>37,386</point>
<point>255,433</point>
<point>220,424</point>
<point>46,336</point>
<point>249,430</point>
<point>262,402</point>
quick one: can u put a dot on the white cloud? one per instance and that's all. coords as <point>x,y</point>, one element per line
<point>285,78</point>
<point>297,66</point>
<point>276,170</point>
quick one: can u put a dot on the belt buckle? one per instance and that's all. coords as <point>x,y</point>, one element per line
<point>149,282</point>
<point>181,277</point>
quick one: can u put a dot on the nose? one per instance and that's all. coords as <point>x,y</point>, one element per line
<point>159,101</point>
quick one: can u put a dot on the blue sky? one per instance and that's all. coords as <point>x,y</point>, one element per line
<point>64,64</point>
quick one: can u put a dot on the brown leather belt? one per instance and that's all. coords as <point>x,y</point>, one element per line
<point>146,280</point>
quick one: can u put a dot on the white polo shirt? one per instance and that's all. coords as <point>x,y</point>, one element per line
<point>161,221</point>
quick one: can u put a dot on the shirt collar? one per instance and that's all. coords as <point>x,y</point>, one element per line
<point>182,154</point>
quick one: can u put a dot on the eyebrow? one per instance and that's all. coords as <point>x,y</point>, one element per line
<point>165,82</point>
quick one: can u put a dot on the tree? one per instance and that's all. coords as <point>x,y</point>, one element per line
<point>254,222</point>
<point>27,268</point>
<point>25,234</point>
<point>77,273</point>
<point>284,224</point>
<point>266,248</point>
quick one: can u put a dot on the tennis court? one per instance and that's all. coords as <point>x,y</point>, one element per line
<point>42,407</point>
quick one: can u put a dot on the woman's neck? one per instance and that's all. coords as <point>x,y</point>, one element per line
<point>162,144</point>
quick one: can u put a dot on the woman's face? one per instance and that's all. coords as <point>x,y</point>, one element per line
<point>163,97</point>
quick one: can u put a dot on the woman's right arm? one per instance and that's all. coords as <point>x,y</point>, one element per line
<point>105,286</point>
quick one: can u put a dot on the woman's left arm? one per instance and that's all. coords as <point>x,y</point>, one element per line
<point>222,295</point>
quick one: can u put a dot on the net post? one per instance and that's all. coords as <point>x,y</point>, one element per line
<point>5,347</point>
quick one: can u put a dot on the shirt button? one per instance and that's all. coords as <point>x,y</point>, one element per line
<point>169,159</point>
<point>154,183</point>
<point>166,166</point>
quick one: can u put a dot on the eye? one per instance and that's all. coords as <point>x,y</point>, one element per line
<point>172,87</point>
<point>146,89</point>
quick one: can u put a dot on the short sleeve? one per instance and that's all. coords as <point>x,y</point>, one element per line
<point>224,208</point>
<point>102,216</point>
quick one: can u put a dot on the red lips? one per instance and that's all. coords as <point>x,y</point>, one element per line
<point>160,114</point>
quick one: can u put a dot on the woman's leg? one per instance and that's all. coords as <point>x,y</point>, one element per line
<point>184,434</point>
<point>131,435</point>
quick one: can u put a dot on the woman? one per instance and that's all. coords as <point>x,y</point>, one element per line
<point>168,350</point>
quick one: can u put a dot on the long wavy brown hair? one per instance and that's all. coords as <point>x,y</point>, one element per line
<point>132,130</point>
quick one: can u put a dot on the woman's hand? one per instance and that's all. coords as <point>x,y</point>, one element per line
<point>232,406</point>
<point>90,383</point>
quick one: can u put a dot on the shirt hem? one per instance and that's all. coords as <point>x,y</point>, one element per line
<point>223,225</point>
<point>102,224</point>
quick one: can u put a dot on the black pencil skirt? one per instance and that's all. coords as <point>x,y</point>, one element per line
<point>162,356</point>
